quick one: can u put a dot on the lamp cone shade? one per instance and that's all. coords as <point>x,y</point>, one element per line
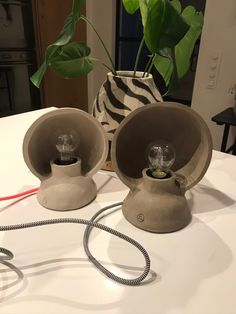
<point>65,187</point>
<point>159,205</point>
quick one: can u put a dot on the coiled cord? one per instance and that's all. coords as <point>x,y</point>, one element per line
<point>109,274</point>
<point>90,224</point>
<point>7,255</point>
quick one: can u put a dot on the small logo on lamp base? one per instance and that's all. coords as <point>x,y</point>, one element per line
<point>140,217</point>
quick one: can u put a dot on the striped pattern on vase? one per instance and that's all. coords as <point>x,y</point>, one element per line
<point>121,94</point>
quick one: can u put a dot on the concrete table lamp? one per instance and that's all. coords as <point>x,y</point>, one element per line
<point>160,151</point>
<point>64,148</point>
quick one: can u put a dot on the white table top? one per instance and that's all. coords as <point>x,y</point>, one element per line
<point>193,270</point>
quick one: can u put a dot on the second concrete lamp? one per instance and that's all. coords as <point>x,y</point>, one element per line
<point>160,151</point>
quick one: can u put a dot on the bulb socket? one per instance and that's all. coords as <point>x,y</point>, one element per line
<point>161,176</point>
<point>60,162</point>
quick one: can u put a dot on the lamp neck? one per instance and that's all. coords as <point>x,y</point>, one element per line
<point>72,170</point>
<point>155,185</point>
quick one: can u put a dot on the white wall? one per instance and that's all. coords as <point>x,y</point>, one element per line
<point>102,14</point>
<point>218,38</point>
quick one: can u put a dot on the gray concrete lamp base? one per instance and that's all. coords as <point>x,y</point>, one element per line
<point>66,188</point>
<point>157,205</point>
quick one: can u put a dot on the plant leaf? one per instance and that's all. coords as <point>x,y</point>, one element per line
<point>67,32</point>
<point>131,6</point>
<point>37,77</point>
<point>75,67</point>
<point>174,80</point>
<point>71,50</point>
<point>68,29</point>
<point>193,17</point>
<point>143,4</point>
<point>51,52</point>
<point>168,69</point>
<point>77,8</point>
<point>184,48</point>
<point>164,66</point>
<point>164,26</point>
<point>73,61</point>
<point>177,5</point>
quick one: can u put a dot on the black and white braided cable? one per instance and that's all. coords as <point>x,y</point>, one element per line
<point>7,255</point>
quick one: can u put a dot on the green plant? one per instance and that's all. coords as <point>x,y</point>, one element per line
<point>169,32</point>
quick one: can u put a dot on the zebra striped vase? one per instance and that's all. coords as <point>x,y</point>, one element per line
<point>120,95</point>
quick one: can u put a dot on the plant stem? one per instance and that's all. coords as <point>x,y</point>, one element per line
<point>102,42</point>
<point>106,66</point>
<point>147,65</point>
<point>138,56</point>
<point>150,67</point>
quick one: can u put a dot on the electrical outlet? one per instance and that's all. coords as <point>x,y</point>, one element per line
<point>213,70</point>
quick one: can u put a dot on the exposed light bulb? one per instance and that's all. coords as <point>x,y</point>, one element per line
<point>161,156</point>
<point>66,144</point>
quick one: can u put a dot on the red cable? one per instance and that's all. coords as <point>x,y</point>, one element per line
<point>10,197</point>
